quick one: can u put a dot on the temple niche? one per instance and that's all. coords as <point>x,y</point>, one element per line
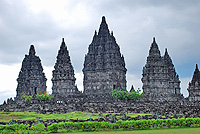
<point>104,66</point>
<point>194,86</point>
<point>63,80</point>
<point>159,78</point>
<point>31,79</point>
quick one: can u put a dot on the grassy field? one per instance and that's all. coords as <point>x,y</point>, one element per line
<point>7,116</point>
<point>155,131</point>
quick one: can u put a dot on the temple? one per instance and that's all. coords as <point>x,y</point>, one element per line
<point>104,66</point>
<point>194,86</point>
<point>159,78</point>
<point>31,79</point>
<point>63,81</point>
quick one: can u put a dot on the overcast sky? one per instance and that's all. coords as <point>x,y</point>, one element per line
<point>43,23</point>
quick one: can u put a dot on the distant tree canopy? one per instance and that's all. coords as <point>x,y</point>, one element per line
<point>125,95</point>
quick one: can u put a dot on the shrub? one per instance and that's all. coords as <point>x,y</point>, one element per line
<point>38,127</point>
<point>44,97</point>
<point>28,98</point>
<point>125,95</point>
<point>53,127</point>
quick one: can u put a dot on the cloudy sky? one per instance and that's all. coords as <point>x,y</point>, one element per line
<point>43,23</point>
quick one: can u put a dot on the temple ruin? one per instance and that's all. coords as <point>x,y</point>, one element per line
<point>63,74</point>
<point>194,86</point>
<point>31,79</point>
<point>159,78</point>
<point>104,66</point>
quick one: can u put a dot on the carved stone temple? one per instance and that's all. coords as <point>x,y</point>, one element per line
<point>63,74</point>
<point>31,79</point>
<point>194,86</point>
<point>159,78</point>
<point>104,66</point>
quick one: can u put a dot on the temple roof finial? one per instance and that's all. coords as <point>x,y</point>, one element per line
<point>166,52</point>
<point>112,33</point>
<point>103,30</point>
<point>103,19</point>
<point>32,50</point>
<point>154,39</point>
<point>197,67</point>
<point>63,40</point>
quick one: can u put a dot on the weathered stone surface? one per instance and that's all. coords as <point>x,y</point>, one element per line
<point>63,74</point>
<point>104,66</point>
<point>31,79</point>
<point>159,78</point>
<point>194,86</point>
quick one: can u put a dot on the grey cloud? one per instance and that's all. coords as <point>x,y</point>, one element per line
<point>21,28</point>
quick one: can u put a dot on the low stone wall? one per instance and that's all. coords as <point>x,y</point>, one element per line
<point>185,108</point>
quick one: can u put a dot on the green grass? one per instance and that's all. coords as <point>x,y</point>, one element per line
<point>7,116</point>
<point>154,131</point>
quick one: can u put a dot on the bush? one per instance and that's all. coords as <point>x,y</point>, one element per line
<point>96,126</point>
<point>125,95</point>
<point>38,127</point>
<point>44,97</point>
<point>53,127</point>
<point>28,98</point>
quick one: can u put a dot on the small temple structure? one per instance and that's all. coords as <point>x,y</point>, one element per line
<point>159,78</point>
<point>31,79</point>
<point>194,86</point>
<point>63,81</point>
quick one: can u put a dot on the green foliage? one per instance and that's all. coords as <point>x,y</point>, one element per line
<point>125,95</point>
<point>38,127</point>
<point>6,116</point>
<point>44,97</point>
<point>99,126</point>
<point>28,98</point>
<point>23,96</point>
<point>53,127</point>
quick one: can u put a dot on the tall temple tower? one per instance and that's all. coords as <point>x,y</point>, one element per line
<point>160,80</point>
<point>104,66</point>
<point>194,86</point>
<point>31,79</point>
<point>63,74</point>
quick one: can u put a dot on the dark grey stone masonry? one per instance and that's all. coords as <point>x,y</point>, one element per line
<point>104,66</point>
<point>31,79</point>
<point>159,78</point>
<point>63,74</point>
<point>194,86</point>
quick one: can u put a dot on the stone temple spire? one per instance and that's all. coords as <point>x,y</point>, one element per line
<point>63,74</point>
<point>160,80</point>
<point>31,79</point>
<point>32,51</point>
<point>168,60</point>
<point>154,52</point>
<point>194,86</point>
<point>104,66</point>
<point>103,30</point>
<point>196,75</point>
